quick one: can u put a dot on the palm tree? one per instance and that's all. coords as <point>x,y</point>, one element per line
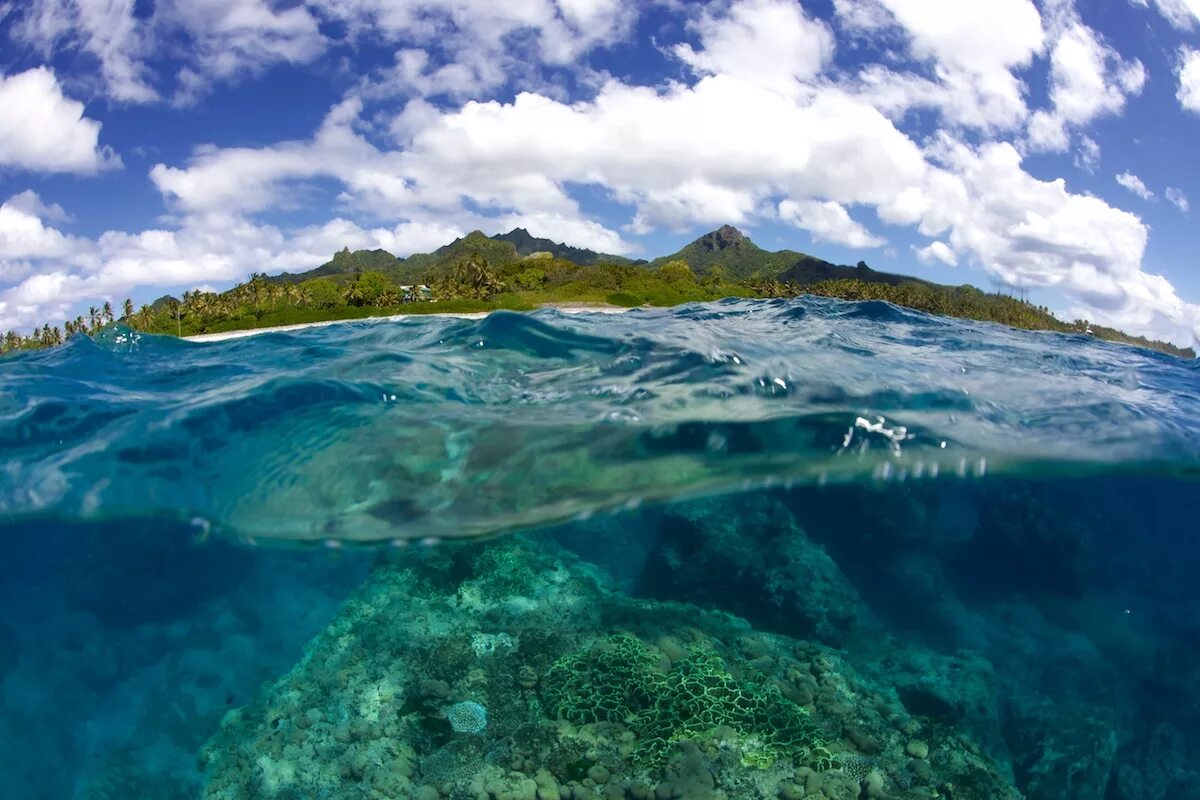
<point>93,317</point>
<point>107,311</point>
<point>128,310</point>
<point>472,277</point>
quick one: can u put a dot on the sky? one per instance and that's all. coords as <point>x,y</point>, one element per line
<point>1040,146</point>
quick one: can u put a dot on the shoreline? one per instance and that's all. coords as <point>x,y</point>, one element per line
<point>566,308</point>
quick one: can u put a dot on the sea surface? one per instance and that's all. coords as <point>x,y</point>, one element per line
<point>805,549</point>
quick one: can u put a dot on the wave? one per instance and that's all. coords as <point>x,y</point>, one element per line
<point>369,432</point>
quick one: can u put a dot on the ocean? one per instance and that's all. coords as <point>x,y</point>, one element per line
<point>802,549</point>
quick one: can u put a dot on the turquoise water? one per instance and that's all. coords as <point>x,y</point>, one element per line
<point>920,558</point>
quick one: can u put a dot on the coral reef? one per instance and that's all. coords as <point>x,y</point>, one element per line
<point>1043,620</point>
<point>600,696</point>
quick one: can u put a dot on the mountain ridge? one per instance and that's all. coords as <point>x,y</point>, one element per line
<point>727,247</point>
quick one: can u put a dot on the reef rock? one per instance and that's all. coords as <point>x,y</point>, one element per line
<point>752,558</point>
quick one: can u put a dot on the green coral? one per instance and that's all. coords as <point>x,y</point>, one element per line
<point>611,682</point>
<point>622,681</point>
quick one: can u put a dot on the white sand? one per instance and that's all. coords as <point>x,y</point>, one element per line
<point>567,308</point>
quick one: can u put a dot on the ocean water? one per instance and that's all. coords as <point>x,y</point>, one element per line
<point>747,549</point>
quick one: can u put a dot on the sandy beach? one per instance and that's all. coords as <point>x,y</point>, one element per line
<point>566,308</point>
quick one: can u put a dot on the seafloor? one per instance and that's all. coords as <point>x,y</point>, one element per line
<point>980,641</point>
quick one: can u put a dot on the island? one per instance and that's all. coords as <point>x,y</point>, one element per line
<point>519,272</point>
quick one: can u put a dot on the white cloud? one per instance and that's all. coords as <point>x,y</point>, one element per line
<point>1087,157</point>
<point>1188,72</point>
<point>42,130</point>
<point>1182,14</point>
<point>480,45</point>
<point>983,38</point>
<point>1088,79</point>
<point>828,222</point>
<point>1134,184</point>
<point>203,40</point>
<point>29,202</point>
<point>859,18</point>
<point>937,251</point>
<point>23,235</point>
<point>230,38</point>
<point>105,29</point>
<point>1177,198</point>
<point>770,42</point>
<point>974,49</point>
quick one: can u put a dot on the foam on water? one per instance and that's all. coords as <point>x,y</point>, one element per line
<point>441,427</point>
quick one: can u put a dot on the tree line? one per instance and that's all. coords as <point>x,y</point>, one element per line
<point>473,283</point>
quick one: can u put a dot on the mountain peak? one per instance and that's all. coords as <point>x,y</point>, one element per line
<point>724,237</point>
<point>528,245</point>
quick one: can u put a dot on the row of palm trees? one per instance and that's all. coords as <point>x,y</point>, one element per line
<point>196,310</point>
<point>48,336</point>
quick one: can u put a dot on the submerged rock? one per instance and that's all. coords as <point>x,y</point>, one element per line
<point>600,695</point>
<point>751,558</point>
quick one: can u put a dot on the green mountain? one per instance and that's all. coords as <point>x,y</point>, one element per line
<point>426,267</point>
<point>344,264</point>
<point>528,245</point>
<point>500,250</point>
<point>743,260</point>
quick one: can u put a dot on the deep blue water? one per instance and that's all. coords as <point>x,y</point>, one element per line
<point>996,526</point>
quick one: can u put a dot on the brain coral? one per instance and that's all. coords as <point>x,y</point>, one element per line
<point>467,717</point>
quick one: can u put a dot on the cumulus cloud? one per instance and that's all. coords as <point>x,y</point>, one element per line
<point>1088,79</point>
<point>1177,198</point>
<point>30,203</point>
<point>1188,73</point>
<point>43,130</point>
<point>1134,184</point>
<point>770,42</point>
<point>973,50</point>
<point>24,235</point>
<point>939,252</point>
<point>828,222</point>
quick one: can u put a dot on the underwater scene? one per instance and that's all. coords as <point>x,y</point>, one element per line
<point>800,549</point>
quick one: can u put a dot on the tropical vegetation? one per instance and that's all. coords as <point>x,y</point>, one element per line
<point>480,273</point>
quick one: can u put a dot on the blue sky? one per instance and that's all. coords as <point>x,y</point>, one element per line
<point>160,145</point>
